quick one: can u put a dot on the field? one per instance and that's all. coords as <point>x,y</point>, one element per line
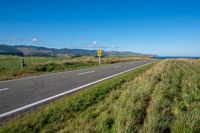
<point>162,97</point>
<point>10,66</point>
<point>14,62</point>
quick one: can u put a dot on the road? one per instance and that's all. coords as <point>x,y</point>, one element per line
<point>20,95</point>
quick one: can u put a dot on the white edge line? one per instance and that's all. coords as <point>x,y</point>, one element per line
<point>85,73</point>
<point>4,89</point>
<point>64,93</point>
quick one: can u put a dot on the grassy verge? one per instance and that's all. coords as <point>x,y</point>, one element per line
<point>10,66</point>
<point>58,115</point>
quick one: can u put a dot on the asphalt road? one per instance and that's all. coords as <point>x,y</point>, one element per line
<point>23,94</point>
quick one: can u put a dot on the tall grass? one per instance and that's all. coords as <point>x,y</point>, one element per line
<point>150,103</point>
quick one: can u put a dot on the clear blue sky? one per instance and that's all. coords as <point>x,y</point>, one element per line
<point>163,27</point>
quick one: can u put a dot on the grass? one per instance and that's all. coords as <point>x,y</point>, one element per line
<point>162,97</point>
<point>10,65</point>
<point>13,62</point>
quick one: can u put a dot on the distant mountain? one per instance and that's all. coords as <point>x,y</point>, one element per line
<point>36,51</point>
<point>9,50</point>
<point>43,51</point>
<point>123,53</point>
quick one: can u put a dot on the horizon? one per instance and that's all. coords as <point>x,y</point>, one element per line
<point>164,28</point>
<point>171,56</point>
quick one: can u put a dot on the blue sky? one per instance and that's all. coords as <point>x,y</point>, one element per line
<point>163,27</point>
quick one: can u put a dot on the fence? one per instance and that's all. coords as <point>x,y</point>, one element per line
<point>14,62</point>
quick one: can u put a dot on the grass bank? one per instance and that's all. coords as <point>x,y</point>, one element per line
<point>58,115</point>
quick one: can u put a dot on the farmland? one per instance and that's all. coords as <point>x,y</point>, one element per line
<point>161,97</point>
<point>10,66</point>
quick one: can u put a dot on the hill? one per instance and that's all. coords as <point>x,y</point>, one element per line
<point>44,51</point>
<point>9,50</point>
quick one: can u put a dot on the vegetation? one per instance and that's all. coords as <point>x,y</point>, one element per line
<point>10,65</point>
<point>157,98</point>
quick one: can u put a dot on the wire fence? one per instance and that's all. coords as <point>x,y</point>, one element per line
<point>14,62</point>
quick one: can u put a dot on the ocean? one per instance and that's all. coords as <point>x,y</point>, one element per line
<point>176,57</point>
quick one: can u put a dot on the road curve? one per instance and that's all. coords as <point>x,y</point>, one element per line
<point>20,95</point>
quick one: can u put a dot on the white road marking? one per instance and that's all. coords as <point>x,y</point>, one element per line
<point>86,73</point>
<point>117,66</point>
<point>4,89</point>
<point>66,92</point>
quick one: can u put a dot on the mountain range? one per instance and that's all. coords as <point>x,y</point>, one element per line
<point>24,50</point>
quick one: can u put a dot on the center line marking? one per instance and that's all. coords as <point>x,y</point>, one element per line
<point>4,89</point>
<point>117,66</point>
<point>86,73</point>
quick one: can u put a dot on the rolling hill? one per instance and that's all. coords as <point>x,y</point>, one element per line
<point>9,50</point>
<point>44,51</point>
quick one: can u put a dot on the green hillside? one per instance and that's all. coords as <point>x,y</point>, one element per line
<point>45,52</point>
<point>9,50</point>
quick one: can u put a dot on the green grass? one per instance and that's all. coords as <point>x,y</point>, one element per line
<point>164,97</point>
<point>58,115</point>
<point>13,62</point>
<point>7,62</point>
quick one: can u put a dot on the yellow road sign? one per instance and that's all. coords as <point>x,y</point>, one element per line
<point>99,52</point>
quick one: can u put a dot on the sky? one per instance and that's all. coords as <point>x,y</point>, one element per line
<point>161,27</point>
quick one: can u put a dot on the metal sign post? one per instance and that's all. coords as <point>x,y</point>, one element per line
<point>22,62</point>
<point>99,59</point>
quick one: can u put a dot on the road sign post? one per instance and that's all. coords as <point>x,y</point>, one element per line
<point>22,62</point>
<point>99,53</point>
<point>99,59</point>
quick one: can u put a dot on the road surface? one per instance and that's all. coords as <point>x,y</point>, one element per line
<point>20,95</point>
